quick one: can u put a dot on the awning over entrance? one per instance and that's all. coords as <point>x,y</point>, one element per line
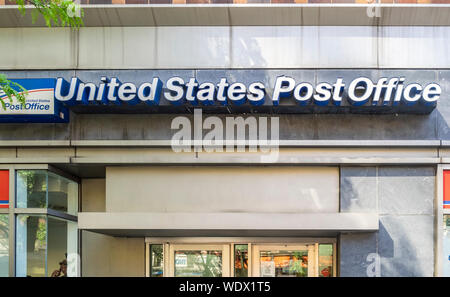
<point>226,224</point>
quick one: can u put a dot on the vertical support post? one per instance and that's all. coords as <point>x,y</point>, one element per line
<point>439,217</point>
<point>250,260</point>
<point>12,222</point>
<point>147,259</point>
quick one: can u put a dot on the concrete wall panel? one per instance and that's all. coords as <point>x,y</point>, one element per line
<point>406,191</point>
<point>190,47</point>
<point>34,48</point>
<point>423,47</point>
<point>443,110</point>
<point>225,47</point>
<point>93,195</point>
<point>358,189</point>
<point>271,47</point>
<point>222,189</point>
<point>404,245</point>
<point>104,255</point>
<point>354,252</point>
<point>117,47</point>
<point>347,47</point>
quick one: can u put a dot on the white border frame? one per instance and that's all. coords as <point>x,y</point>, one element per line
<point>238,240</point>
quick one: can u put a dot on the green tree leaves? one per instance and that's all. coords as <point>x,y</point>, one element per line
<point>60,13</point>
<point>7,88</point>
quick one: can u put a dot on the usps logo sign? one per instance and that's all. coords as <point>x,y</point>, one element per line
<point>180,260</point>
<point>40,105</point>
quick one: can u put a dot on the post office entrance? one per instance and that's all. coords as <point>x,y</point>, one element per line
<point>198,257</point>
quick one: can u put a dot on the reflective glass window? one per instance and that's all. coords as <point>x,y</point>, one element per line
<point>325,260</point>
<point>4,245</point>
<point>44,189</point>
<point>284,263</point>
<point>46,246</point>
<point>241,260</point>
<point>200,263</point>
<point>446,246</point>
<point>156,260</point>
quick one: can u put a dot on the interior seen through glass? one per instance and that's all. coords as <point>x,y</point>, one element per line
<point>198,263</point>
<point>267,260</point>
<point>446,246</point>
<point>241,260</point>
<point>284,263</point>
<point>4,245</point>
<point>157,260</point>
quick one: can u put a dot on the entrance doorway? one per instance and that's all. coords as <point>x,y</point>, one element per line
<point>208,257</point>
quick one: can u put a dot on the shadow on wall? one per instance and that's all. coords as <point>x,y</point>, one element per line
<point>252,46</point>
<point>404,242</point>
<point>404,256</point>
<point>405,239</point>
<point>387,249</point>
<point>357,189</point>
<point>442,127</point>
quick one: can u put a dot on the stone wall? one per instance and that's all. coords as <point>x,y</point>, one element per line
<point>404,199</point>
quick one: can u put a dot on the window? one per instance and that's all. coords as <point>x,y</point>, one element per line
<point>4,245</point>
<point>156,260</point>
<point>275,263</point>
<point>200,263</point>
<point>44,189</point>
<point>325,260</point>
<point>31,245</point>
<point>266,257</point>
<point>446,246</point>
<point>47,236</point>
<point>46,246</point>
<point>241,260</point>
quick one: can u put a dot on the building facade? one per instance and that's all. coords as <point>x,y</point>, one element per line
<point>345,185</point>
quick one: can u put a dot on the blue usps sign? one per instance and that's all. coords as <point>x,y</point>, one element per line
<point>49,99</point>
<point>40,104</point>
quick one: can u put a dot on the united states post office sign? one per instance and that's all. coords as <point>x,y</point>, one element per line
<point>48,99</point>
<point>40,104</point>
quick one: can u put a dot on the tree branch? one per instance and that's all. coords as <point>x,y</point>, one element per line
<point>58,12</point>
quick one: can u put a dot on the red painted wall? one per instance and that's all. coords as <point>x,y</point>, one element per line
<point>447,189</point>
<point>4,188</point>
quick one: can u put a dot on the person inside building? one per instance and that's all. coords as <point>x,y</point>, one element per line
<point>62,271</point>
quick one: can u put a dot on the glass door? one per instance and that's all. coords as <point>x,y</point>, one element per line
<point>284,260</point>
<point>241,258</point>
<point>199,260</point>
